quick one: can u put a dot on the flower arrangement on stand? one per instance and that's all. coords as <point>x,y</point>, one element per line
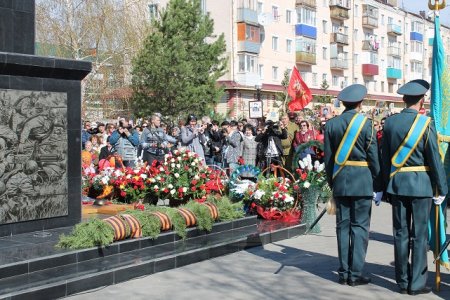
<point>132,184</point>
<point>181,177</point>
<point>311,182</point>
<point>273,198</point>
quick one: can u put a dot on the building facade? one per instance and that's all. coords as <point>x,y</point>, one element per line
<point>333,43</point>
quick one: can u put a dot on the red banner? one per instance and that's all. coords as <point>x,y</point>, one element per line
<point>299,91</point>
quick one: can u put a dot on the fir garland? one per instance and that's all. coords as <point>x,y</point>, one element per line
<point>92,233</point>
<point>204,219</point>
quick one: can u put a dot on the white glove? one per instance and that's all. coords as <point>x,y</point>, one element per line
<point>438,200</point>
<point>377,198</point>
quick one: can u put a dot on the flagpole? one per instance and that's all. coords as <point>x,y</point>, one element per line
<point>437,250</point>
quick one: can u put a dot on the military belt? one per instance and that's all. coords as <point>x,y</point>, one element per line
<point>414,169</point>
<point>355,163</point>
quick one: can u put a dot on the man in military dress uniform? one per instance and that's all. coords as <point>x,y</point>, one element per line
<point>412,173</point>
<point>353,173</point>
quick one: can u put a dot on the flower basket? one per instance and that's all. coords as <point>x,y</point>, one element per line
<point>275,198</point>
<point>309,199</point>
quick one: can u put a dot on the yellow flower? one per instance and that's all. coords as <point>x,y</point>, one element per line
<point>121,186</point>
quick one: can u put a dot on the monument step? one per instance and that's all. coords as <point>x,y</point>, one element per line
<point>31,252</point>
<point>94,270</point>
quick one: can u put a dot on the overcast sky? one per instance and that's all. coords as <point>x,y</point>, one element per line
<point>418,5</point>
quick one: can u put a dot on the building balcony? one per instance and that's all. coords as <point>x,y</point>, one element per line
<point>370,21</point>
<point>393,73</point>
<point>305,58</point>
<point>416,36</point>
<point>416,56</point>
<point>339,64</point>
<point>248,79</point>
<point>392,3</point>
<point>308,3</point>
<point>339,38</point>
<point>369,45</point>
<point>345,4</point>
<point>306,30</point>
<point>369,69</point>
<point>247,15</point>
<point>339,13</point>
<point>394,51</point>
<point>248,46</point>
<point>394,29</point>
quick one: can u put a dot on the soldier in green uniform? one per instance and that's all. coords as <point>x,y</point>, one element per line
<point>412,173</point>
<point>353,173</point>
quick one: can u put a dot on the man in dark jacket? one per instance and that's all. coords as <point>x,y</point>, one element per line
<point>353,173</point>
<point>412,172</point>
<point>270,139</point>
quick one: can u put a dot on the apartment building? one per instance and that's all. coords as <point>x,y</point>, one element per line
<point>332,42</point>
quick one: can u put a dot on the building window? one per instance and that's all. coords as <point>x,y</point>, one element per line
<point>367,84</point>
<point>416,46</point>
<point>417,27</point>
<point>288,16</point>
<point>345,81</point>
<point>356,12</point>
<point>306,16</point>
<point>390,87</point>
<point>259,7</point>
<point>374,85</point>
<point>335,80</point>
<point>325,3</point>
<point>324,77</point>
<point>305,45</point>
<point>247,32</point>
<point>153,11</point>
<point>275,14</point>
<point>324,26</point>
<point>416,66</point>
<point>382,86</point>
<point>314,79</point>
<point>390,20</point>
<point>355,58</point>
<point>275,43</point>
<point>382,19</point>
<point>304,74</point>
<point>247,63</point>
<point>382,42</point>
<point>261,71</point>
<point>288,46</point>
<point>324,52</point>
<point>275,73</point>
<point>355,80</point>
<point>355,34</point>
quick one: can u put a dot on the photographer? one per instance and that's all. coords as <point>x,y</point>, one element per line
<point>232,146</point>
<point>212,141</point>
<point>270,139</point>
<point>124,141</point>
<point>192,136</point>
<point>155,143</point>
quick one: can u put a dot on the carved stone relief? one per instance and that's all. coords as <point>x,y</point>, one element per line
<point>33,155</point>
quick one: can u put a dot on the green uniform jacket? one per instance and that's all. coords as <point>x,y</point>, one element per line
<point>417,184</point>
<point>352,180</point>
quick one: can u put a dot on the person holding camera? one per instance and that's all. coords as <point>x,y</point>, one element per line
<point>270,139</point>
<point>192,136</point>
<point>154,142</point>
<point>124,141</point>
<point>212,141</point>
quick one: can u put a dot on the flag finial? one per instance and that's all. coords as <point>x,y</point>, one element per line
<point>436,5</point>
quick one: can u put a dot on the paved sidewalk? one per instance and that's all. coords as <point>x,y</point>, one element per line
<point>299,268</point>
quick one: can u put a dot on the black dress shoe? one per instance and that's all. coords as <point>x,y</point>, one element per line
<point>403,291</point>
<point>425,290</point>
<point>359,281</point>
<point>342,281</point>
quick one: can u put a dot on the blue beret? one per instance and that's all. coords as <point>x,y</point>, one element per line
<point>353,93</point>
<point>416,87</point>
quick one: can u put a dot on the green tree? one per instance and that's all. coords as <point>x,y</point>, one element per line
<point>177,69</point>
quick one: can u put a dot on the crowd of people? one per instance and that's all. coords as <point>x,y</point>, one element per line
<point>222,145</point>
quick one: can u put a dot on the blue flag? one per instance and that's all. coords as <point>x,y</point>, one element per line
<point>440,109</point>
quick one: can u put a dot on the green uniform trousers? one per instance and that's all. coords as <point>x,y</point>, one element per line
<point>352,230</point>
<point>410,217</point>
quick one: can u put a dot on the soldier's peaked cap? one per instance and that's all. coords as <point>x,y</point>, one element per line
<point>353,93</point>
<point>416,87</point>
